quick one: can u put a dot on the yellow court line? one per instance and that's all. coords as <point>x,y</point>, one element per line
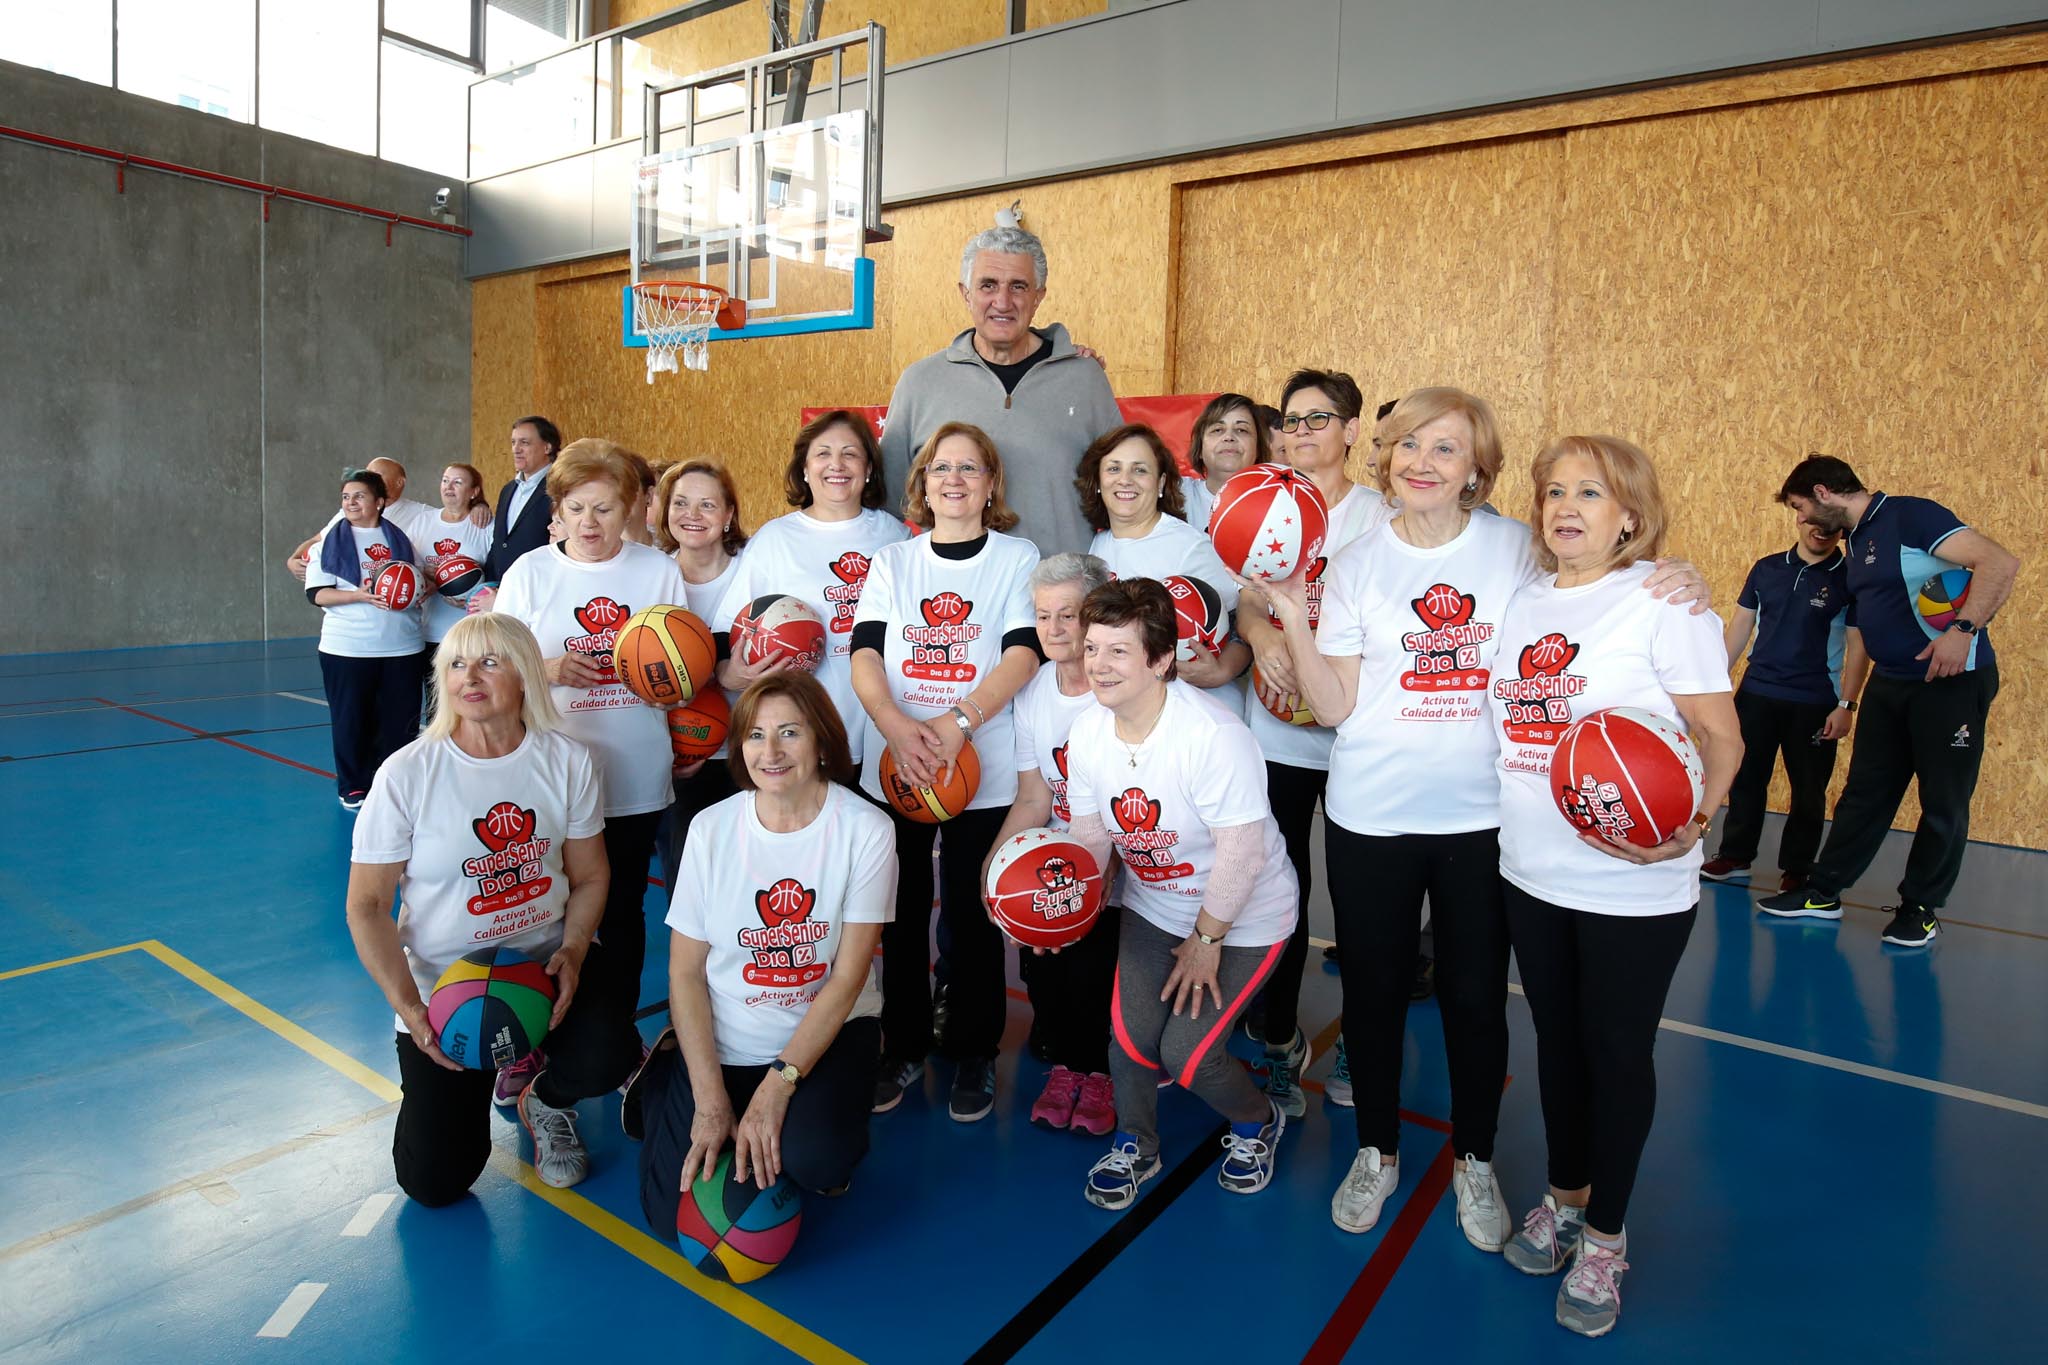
<point>69,961</point>
<point>785,1332</point>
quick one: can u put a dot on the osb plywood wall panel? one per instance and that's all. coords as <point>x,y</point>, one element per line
<point>1041,13</point>
<point>502,360</point>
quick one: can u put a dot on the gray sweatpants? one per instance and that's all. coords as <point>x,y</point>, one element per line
<point>1151,1038</point>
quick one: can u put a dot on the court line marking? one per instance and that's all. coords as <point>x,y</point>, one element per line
<point>1822,1059</point>
<point>298,696</point>
<point>1385,1262</point>
<point>227,735</point>
<point>367,1216</point>
<point>232,744</point>
<point>783,1331</point>
<point>289,1313</point>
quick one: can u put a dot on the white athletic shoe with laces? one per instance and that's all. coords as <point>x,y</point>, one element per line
<point>1356,1205</point>
<point>1481,1213</point>
<point>1589,1300</point>
<point>558,1156</point>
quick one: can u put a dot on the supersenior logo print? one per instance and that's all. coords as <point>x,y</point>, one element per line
<point>1060,809</point>
<point>938,648</point>
<point>1539,699</point>
<point>851,569</point>
<point>1146,849</point>
<point>1311,591</point>
<point>510,875</point>
<point>785,947</point>
<point>600,618</point>
<point>1444,654</point>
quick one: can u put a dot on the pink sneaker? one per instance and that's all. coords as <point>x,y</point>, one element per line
<point>1095,1110</point>
<point>516,1077</point>
<point>1055,1106</point>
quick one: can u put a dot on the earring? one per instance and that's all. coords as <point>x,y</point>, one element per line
<point>1472,484</point>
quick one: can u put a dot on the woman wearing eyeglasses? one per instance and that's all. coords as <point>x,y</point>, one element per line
<point>942,640</point>
<point>1319,424</point>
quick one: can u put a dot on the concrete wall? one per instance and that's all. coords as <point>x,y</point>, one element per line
<point>182,384</point>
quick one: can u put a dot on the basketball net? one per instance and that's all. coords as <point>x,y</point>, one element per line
<point>676,316</point>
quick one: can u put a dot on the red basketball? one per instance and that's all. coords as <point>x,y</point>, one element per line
<point>664,655</point>
<point>779,622</point>
<point>1198,616</point>
<point>1627,775</point>
<point>397,585</point>
<point>699,726</point>
<point>1290,707</point>
<point>456,576</point>
<point>944,799</point>
<point>1268,522</point>
<point>1044,888</point>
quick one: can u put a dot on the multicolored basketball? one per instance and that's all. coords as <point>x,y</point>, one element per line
<point>779,622</point>
<point>1289,706</point>
<point>397,585</point>
<point>664,654</point>
<point>944,799</point>
<point>491,1008</point>
<point>1198,616</point>
<point>1268,521</point>
<point>1044,889</point>
<point>1627,775</point>
<point>1942,598</point>
<point>456,576</point>
<point>698,727</point>
<point>737,1232</point>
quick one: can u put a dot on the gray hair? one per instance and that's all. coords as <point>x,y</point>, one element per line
<point>1004,241</point>
<point>1087,570</point>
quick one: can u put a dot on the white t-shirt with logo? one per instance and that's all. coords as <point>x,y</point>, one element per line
<point>481,840</point>
<point>1197,771</point>
<point>359,630</point>
<point>1361,511</point>
<point>1044,717</point>
<point>704,599</point>
<point>1416,755</point>
<point>435,543</point>
<point>771,906</point>
<point>577,608</point>
<point>1201,502</point>
<point>1563,654</point>
<point>1170,547</point>
<point>826,564</point>
<point>945,620</point>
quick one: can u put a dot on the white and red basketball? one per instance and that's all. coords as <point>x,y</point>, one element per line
<point>1198,616</point>
<point>456,576</point>
<point>397,585</point>
<point>1268,522</point>
<point>1044,889</point>
<point>775,622</point>
<point>1627,775</point>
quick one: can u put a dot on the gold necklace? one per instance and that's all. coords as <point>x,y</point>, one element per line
<point>1132,749</point>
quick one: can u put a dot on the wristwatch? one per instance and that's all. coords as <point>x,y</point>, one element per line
<point>1212,942</point>
<point>1963,624</point>
<point>960,719</point>
<point>789,1073</point>
<point>1703,819</point>
<point>1846,705</point>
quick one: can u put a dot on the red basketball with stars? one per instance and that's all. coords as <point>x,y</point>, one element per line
<point>1268,522</point>
<point>1044,888</point>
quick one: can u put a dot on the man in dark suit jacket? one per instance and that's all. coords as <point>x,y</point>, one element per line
<point>523,506</point>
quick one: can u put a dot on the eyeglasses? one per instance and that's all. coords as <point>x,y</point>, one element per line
<point>1314,421</point>
<point>965,471</point>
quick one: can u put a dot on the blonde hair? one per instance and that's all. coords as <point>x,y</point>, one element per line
<point>1630,478</point>
<point>507,637</point>
<point>997,516</point>
<point>590,458</point>
<point>1418,410</point>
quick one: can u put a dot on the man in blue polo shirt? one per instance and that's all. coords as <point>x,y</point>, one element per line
<point>1795,602</point>
<point>1930,690</point>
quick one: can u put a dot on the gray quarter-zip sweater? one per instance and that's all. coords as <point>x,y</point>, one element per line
<point>1060,405</point>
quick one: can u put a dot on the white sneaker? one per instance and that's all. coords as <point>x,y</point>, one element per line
<point>558,1156</point>
<point>1481,1214</point>
<point>1356,1205</point>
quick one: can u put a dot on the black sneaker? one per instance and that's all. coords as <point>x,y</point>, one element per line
<point>974,1090</point>
<point>892,1078</point>
<point>1805,903</point>
<point>1423,985</point>
<point>1914,926</point>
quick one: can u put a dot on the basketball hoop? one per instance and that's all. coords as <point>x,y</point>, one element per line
<point>676,316</point>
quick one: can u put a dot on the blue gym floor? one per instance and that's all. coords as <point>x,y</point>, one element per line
<point>199,1110</point>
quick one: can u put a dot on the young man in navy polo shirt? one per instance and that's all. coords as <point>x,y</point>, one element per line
<point>1795,602</point>
<point>1931,688</point>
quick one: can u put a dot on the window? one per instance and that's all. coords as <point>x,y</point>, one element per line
<point>319,65</point>
<point>423,107</point>
<point>437,23</point>
<point>193,53</point>
<point>517,31</point>
<point>71,40</point>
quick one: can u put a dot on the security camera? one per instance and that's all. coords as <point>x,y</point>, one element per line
<point>441,200</point>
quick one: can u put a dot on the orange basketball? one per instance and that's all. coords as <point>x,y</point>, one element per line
<point>698,727</point>
<point>1290,708</point>
<point>944,800</point>
<point>664,654</point>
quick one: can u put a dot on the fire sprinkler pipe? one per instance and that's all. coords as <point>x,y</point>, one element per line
<point>123,160</point>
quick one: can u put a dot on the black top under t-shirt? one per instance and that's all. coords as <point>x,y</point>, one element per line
<point>874,634</point>
<point>1013,372</point>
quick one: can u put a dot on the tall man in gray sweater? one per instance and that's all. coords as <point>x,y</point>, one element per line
<point>1039,399</point>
